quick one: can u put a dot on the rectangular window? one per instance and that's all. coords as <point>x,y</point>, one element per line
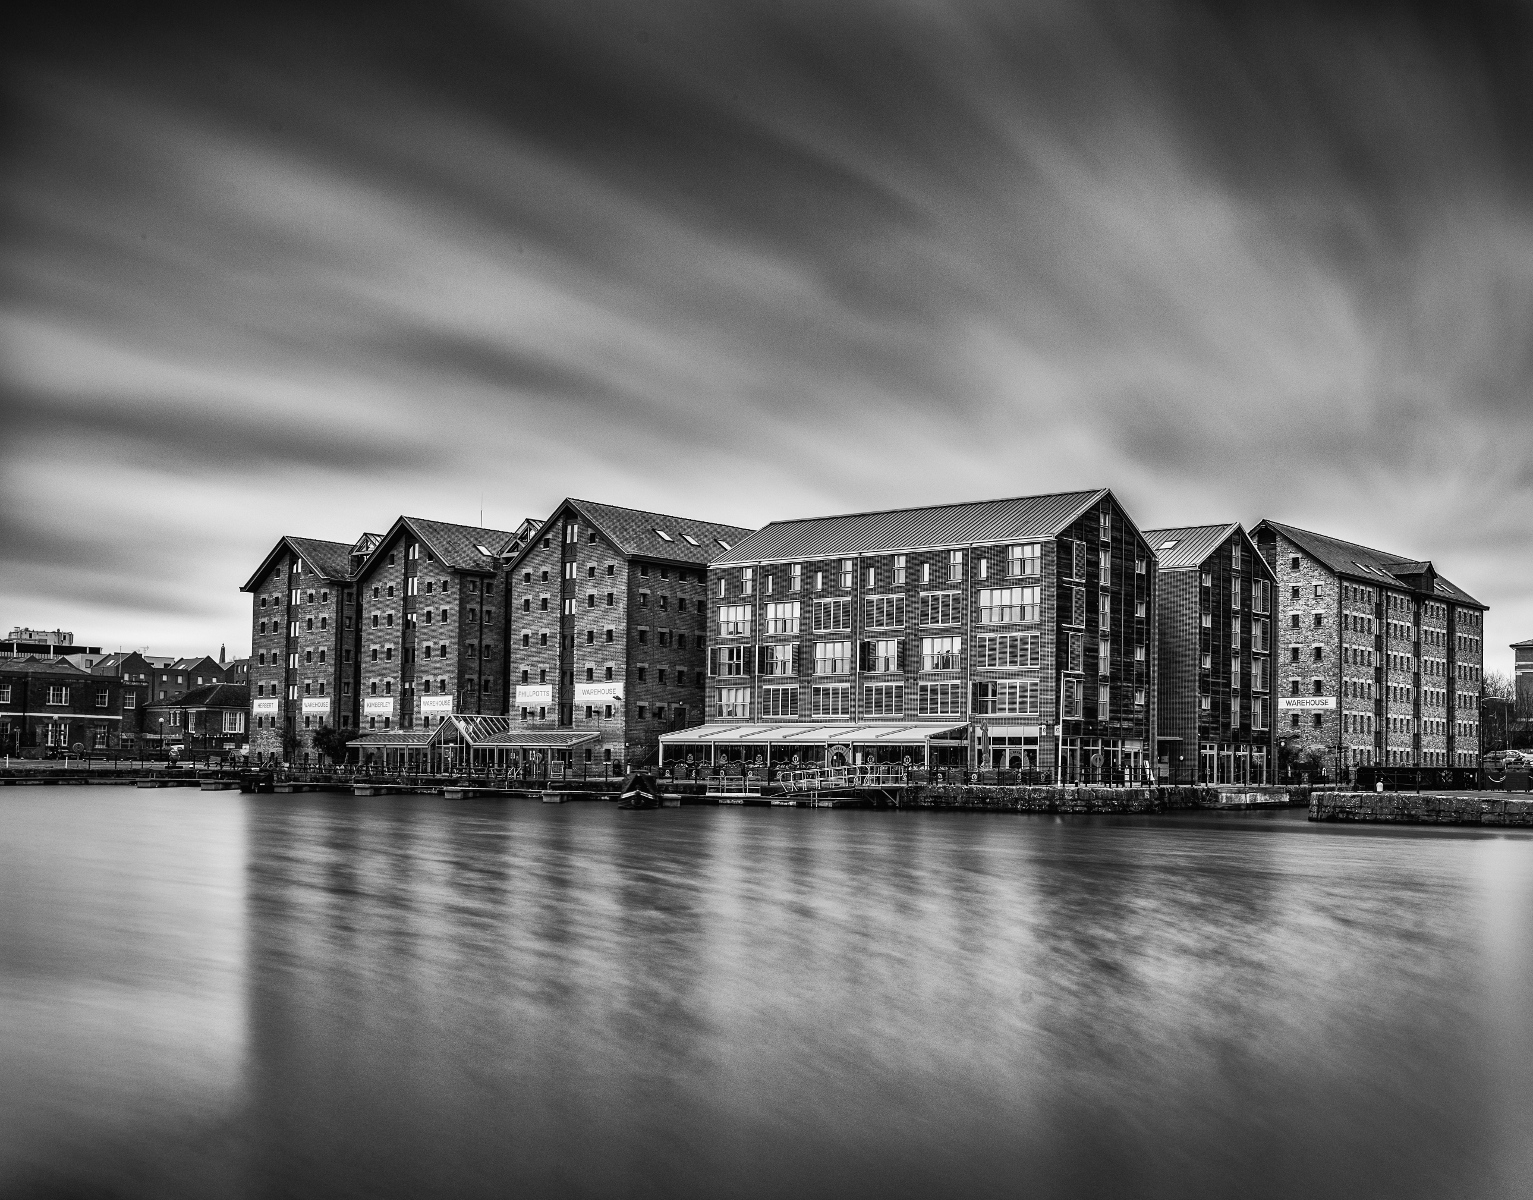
<point>58,695</point>
<point>940,608</point>
<point>1076,613</point>
<point>955,566</point>
<point>1261,595</point>
<point>1075,656</point>
<point>1235,673</point>
<point>1258,674</point>
<point>1259,712</point>
<point>796,577</point>
<point>1104,612</point>
<point>730,660</point>
<point>1000,606</point>
<point>1006,650</point>
<point>846,573</point>
<point>1007,697</point>
<point>734,620</point>
<point>1025,560</point>
<point>899,569</point>
<point>884,654</point>
<point>1071,699</point>
<point>884,612</point>
<point>779,702</point>
<point>1104,658</point>
<point>101,699</point>
<point>833,658</point>
<point>747,581</point>
<point>883,700</point>
<point>1235,633</point>
<point>941,699</point>
<point>1104,521</point>
<point>733,702</point>
<point>129,699</point>
<point>1104,701</point>
<point>831,700</point>
<point>778,660</point>
<point>942,654</point>
<point>832,614</point>
<point>870,578</point>
<point>1259,635</point>
<point>1104,568</point>
<point>782,617</point>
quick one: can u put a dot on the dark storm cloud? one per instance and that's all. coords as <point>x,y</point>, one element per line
<point>1235,260</point>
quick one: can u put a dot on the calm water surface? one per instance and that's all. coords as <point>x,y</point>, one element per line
<point>209,995</point>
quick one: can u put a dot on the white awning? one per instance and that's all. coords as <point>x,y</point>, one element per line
<point>819,733</point>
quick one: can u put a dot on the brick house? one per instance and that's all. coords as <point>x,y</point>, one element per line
<point>607,629</point>
<point>1214,721</point>
<point>1380,659</point>
<point>1011,633</point>
<point>208,719</point>
<point>136,674</point>
<point>49,703</point>
<point>1522,667</point>
<point>430,611</point>
<point>303,639</point>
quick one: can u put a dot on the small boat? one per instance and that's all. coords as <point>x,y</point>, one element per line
<point>639,791</point>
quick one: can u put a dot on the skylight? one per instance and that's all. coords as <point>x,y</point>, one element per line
<point>691,540</point>
<point>664,536</point>
<point>1168,545</point>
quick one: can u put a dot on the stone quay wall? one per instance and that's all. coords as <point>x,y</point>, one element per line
<point>1092,800</point>
<point>1411,808</point>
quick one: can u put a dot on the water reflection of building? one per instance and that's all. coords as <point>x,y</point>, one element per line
<point>1002,633</point>
<point>1380,658</point>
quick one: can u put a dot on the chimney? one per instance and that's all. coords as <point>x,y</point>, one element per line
<point>220,654</point>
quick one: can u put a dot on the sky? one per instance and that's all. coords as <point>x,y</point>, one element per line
<point>270,270</point>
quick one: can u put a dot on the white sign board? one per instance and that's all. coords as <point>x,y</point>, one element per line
<point>436,706</point>
<point>316,704</point>
<point>377,706</point>
<point>534,693</point>
<point>609,692</point>
<point>265,706</point>
<point>1306,703</point>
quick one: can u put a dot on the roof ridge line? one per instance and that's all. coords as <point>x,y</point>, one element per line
<point>878,512</point>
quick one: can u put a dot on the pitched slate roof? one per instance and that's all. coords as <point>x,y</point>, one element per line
<point>915,528</point>
<point>1190,544</point>
<point>634,532</point>
<point>331,560</point>
<point>457,547</point>
<point>214,695</point>
<point>39,664</point>
<point>1364,562</point>
<point>1526,645</point>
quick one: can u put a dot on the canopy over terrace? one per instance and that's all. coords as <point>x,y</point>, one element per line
<point>467,743</point>
<point>779,741</point>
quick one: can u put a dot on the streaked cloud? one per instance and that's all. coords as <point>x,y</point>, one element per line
<point>284,270</point>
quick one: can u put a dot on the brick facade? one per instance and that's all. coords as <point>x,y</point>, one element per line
<point>51,704</point>
<point>607,627</point>
<point>980,633</point>
<point>1398,650</point>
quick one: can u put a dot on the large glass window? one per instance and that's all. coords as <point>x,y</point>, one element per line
<point>883,700</point>
<point>1007,697</point>
<point>833,658</point>
<point>733,702</point>
<point>941,653</point>
<point>832,614</point>
<point>941,699</point>
<point>1006,650</point>
<point>778,660</point>
<point>941,608</point>
<point>884,612</point>
<point>831,700</point>
<point>782,617</point>
<point>779,702</point>
<point>999,606</point>
<point>1024,560</point>
<point>734,620</point>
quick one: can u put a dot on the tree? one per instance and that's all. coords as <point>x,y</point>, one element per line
<point>331,741</point>
<point>1496,685</point>
<point>290,743</point>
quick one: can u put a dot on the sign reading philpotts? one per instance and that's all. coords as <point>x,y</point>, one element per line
<point>609,692</point>
<point>377,706</point>
<point>1306,703</point>
<point>534,693</point>
<point>265,705</point>
<point>436,706</point>
<point>316,704</point>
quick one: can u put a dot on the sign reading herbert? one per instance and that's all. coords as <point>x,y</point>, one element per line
<point>609,692</point>
<point>264,706</point>
<point>436,706</point>
<point>316,704</point>
<point>1306,703</point>
<point>534,693</point>
<point>377,706</point>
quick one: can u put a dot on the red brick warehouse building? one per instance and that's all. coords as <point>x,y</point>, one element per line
<point>1380,658</point>
<point>608,627</point>
<point>1001,633</point>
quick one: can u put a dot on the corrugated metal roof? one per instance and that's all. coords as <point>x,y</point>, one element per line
<point>1364,562</point>
<point>1187,547</point>
<point>915,528</point>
